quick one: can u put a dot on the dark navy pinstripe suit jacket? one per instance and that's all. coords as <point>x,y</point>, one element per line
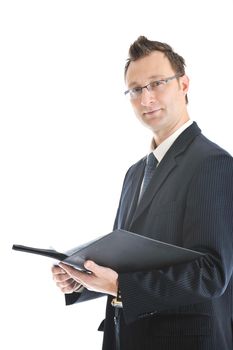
<point>189,202</point>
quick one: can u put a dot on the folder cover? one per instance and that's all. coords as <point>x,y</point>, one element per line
<point>122,251</point>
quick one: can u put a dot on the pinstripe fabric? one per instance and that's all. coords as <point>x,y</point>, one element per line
<point>189,202</point>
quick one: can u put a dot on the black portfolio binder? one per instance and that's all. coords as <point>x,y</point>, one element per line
<point>122,251</point>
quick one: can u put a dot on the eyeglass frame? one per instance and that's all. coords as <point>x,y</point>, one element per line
<point>149,87</point>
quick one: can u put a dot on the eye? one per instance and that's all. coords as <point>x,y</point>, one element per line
<point>155,84</point>
<point>136,90</point>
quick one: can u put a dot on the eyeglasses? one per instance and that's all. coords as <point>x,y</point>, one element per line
<point>154,86</point>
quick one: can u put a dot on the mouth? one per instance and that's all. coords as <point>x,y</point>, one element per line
<point>152,113</point>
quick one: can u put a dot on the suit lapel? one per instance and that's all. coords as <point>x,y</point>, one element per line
<point>165,167</point>
<point>132,199</point>
<point>160,175</point>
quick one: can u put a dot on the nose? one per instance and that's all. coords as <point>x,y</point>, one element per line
<point>147,97</point>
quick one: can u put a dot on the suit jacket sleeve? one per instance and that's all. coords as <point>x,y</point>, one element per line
<point>207,227</point>
<point>85,295</point>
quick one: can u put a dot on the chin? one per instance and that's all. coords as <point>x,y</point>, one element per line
<point>153,124</point>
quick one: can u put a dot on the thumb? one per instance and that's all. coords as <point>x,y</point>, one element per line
<point>92,266</point>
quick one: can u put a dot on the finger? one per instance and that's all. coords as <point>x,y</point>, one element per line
<point>72,272</point>
<point>57,270</point>
<point>69,288</point>
<point>81,277</point>
<point>61,277</point>
<point>65,283</point>
<point>93,267</point>
<point>67,268</point>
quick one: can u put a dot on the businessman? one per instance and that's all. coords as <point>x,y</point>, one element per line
<point>186,200</point>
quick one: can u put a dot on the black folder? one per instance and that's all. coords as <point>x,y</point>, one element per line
<point>122,251</point>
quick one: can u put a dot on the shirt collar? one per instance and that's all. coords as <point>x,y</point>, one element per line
<point>161,150</point>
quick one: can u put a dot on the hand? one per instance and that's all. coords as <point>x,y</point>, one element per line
<point>101,279</point>
<point>64,281</point>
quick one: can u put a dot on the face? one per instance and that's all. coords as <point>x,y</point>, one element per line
<point>163,110</point>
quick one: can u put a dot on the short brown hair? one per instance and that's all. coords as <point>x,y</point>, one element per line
<point>143,47</point>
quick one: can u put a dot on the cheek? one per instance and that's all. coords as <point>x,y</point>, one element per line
<point>171,101</point>
<point>137,108</point>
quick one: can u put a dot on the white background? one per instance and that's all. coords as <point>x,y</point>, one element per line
<point>67,136</point>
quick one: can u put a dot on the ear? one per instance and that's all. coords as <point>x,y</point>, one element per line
<point>184,84</point>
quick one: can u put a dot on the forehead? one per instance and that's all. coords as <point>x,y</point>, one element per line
<point>156,65</point>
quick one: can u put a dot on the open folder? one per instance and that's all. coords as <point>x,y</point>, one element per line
<point>122,251</point>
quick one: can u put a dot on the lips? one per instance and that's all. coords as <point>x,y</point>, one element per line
<point>151,113</point>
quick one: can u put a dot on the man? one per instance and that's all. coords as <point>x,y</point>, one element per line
<point>188,202</point>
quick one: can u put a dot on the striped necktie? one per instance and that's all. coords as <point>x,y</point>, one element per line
<point>149,171</point>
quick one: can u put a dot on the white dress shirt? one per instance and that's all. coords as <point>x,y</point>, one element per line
<point>161,150</point>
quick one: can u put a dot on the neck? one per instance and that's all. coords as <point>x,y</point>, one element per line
<point>161,135</point>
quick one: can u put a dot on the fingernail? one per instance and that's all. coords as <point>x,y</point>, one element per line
<point>87,264</point>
